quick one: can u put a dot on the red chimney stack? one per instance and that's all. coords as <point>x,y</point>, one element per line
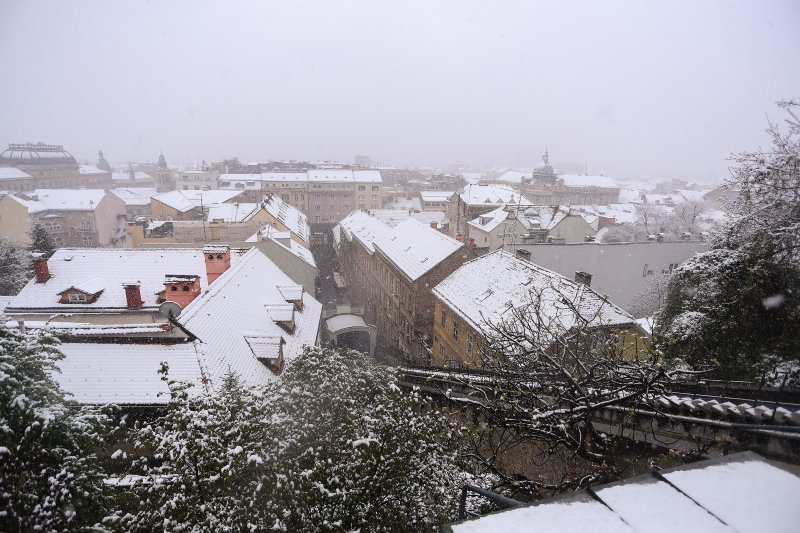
<point>40,268</point>
<point>470,243</point>
<point>218,260</point>
<point>435,225</point>
<point>133,294</point>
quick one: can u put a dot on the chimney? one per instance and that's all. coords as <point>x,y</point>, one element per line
<point>583,278</point>
<point>435,225</point>
<point>40,268</point>
<point>459,237</point>
<point>470,243</point>
<point>133,294</point>
<point>181,288</point>
<point>218,260</point>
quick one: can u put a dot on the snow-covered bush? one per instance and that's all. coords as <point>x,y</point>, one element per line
<point>50,477</point>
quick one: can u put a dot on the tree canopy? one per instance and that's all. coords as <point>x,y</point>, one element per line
<point>737,306</point>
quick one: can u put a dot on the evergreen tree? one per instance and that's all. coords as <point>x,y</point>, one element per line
<point>41,241</point>
<point>334,445</point>
<point>50,477</point>
<point>15,266</point>
<point>737,306</point>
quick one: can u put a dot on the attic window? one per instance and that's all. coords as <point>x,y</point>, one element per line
<point>268,350</point>
<point>76,297</point>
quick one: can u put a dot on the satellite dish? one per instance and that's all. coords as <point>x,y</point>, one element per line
<point>170,309</point>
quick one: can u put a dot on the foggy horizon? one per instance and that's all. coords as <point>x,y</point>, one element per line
<point>646,90</point>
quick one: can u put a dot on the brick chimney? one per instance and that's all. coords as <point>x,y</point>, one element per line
<point>218,260</point>
<point>133,294</point>
<point>435,225</point>
<point>459,237</point>
<point>40,268</point>
<point>181,288</point>
<point>470,243</point>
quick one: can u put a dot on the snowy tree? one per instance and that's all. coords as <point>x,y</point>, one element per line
<point>199,463</point>
<point>551,367</point>
<point>50,476</point>
<point>15,267</point>
<point>41,241</point>
<point>737,306</point>
<point>334,445</point>
<point>356,452</point>
<point>651,299</point>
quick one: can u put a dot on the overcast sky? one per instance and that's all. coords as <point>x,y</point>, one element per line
<point>655,89</point>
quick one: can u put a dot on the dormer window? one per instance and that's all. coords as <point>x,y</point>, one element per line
<point>85,292</point>
<point>292,294</point>
<point>268,350</point>
<point>76,297</point>
<point>282,315</point>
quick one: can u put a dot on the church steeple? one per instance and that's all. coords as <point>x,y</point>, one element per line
<point>162,161</point>
<point>102,164</point>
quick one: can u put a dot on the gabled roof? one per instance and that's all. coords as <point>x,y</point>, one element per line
<point>492,195</point>
<point>413,247</point>
<point>126,176</point>
<point>239,305</point>
<point>285,241</point>
<point>135,196</point>
<point>183,201</point>
<point>485,290</point>
<point>110,268</point>
<point>90,169</point>
<point>288,215</point>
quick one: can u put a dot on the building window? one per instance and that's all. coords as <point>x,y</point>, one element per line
<point>470,344</point>
<point>444,318</point>
<point>316,219</point>
<point>75,298</point>
<point>441,350</point>
<point>374,187</point>
<point>316,207</point>
<point>362,188</point>
<point>456,328</point>
<point>285,197</point>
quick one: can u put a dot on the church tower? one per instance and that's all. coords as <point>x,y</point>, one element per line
<point>165,179</point>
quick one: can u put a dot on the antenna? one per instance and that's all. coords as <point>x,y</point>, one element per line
<point>170,309</point>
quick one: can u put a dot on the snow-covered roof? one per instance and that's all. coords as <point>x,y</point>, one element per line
<point>683,195</point>
<point>135,196</point>
<point>235,212</point>
<point>126,176</point>
<point>740,492</point>
<point>485,290</point>
<point>514,176</point>
<point>413,247</point>
<point>285,241</point>
<point>288,215</point>
<point>367,176</point>
<point>111,268</point>
<point>472,177</point>
<point>492,195</point>
<point>238,305</point>
<point>183,201</point>
<point>99,373</point>
<point>284,176</point>
<point>412,203</point>
<point>393,217</point>
<point>580,180</point>
<point>61,199</point>
<point>11,173</point>
<point>90,169</point>
<point>489,221</point>
<point>435,196</point>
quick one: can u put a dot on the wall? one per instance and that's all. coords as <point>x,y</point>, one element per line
<point>617,268</point>
<point>14,220</point>
<point>109,216</point>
